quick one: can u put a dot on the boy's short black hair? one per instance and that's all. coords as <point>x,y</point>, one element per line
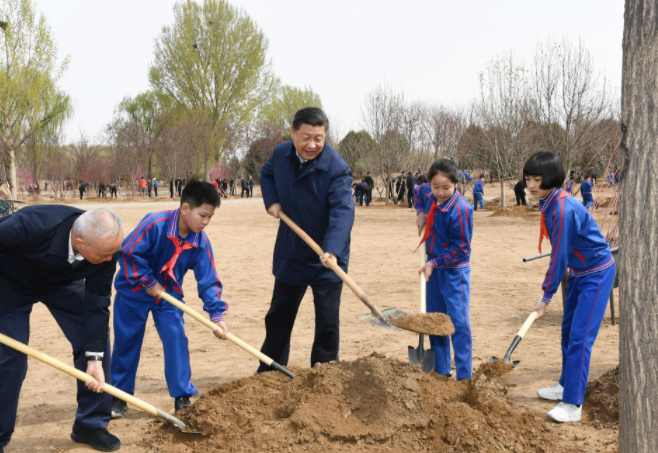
<point>547,165</point>
<point>197,193</point>
<point>312,116</point>
<point>446,167</point>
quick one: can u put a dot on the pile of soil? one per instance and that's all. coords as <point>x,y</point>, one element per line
<point>494,369</point>
<point>373,404</point>
<point>515,211</point>
<point>427,323</point>
<point>602,400</point>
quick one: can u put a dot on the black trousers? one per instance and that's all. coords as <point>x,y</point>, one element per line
<point>280,320</point>
<point>410,198</point>
<point>520,198</point>
<point>244,189</point>
<point>67,307</point>
<point>155,190</point>
<point>81,193</point>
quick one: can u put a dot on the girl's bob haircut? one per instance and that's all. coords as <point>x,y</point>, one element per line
<point>547,165</point>
<point>447,167</point>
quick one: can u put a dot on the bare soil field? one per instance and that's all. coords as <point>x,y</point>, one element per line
<point>384,265</point>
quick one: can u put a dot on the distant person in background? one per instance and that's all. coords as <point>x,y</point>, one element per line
<point>361,192</point>
<point>155,187</point>
<point>113,190</point>
<point>422,179</point>
<point>478,193</point>
<point>586,191</point>
<point>519,192</point>
<point>82,187</point>
<point>401,187</point>
<point>178,184</point>
<point>244,185</point>
<point>232,186</point>
<point>171,187</point>
<point>567,186</point>
<point>411,182</point>
<point>216,185</point>
<point>142,186</point>
<point>149,186</point>
<point>251,187</point>
<point>595,177</point>
<point>371,185</point>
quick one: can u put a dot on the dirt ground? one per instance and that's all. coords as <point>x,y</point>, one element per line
<point>382,263</point>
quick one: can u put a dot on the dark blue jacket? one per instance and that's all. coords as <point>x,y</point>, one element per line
<point>576,240</point>
<point>319,199</point>
<point>34,251</point>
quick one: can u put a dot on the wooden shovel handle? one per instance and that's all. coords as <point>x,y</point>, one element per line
<point>334,266</point>
<point>526,325</point>
<point>84,377</point>
<point>207,322</point>
<point>423,282</point>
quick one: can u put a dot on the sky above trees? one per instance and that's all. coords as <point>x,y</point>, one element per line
<point>432,50</point>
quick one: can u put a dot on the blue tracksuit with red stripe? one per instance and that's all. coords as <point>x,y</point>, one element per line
<point>577,244</point>
<point>156,253</point>
<point>586,191</point>
<point>449,230</point>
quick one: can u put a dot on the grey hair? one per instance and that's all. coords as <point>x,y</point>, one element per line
<point>99,223</point>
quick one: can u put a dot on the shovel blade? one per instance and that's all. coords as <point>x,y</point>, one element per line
<point>415,355</point>
<point>429,361</point>
<point>389,313</point>
<point>514,363</point>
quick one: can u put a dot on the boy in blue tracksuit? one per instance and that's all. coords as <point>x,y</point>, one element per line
<point>448,219</point>
<point>577,244</point>
<point>361,193</point>
<point>478,193</point>
<point>154,258</point>
<point>586,191</point>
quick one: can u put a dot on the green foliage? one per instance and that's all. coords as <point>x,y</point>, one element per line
<point>355,148</point>
<point>29,97</point>
<point>213,59</point>
<point>288,100</point>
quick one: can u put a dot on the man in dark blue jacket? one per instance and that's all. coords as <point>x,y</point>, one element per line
<point>311,183</point>
<point>65,258</point>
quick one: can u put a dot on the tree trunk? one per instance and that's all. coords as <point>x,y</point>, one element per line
<point>13,180</point>
<point>502,193</point>
<point>638,223</point>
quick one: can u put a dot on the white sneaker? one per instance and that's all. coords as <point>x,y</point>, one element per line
<point>553,393</point>
<point>565,412</point>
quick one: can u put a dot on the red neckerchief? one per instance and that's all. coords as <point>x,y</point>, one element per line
<point>181,246</point>
<point>429,224</point>
<point>543,231</point>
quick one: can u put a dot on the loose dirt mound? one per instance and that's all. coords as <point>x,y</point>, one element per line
<point>427,323</point>
<point>494,369</point>
<point>602,399</point>
<point>514,211</point>
<point>373,404</point>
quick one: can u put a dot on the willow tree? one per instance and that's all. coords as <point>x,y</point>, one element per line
<point>213,59</point>
<point>144,110</point>
<point>638,222</point>
<point>29,72</point>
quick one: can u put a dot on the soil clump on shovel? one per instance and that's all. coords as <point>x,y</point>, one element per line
<point>602,400</point>
<point>426,323</point>
<point>372,404</point>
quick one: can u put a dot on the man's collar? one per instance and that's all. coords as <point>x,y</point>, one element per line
<point>72,255</point>
<point>319,162</point>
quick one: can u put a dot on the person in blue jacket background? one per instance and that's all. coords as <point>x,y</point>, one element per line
<point>448,219</point>
<point>153,259</point>
<point>311,183</point>
<point>578,244</point>
<point>478,193</point>
<point>586,191</point>
<point>361,192</point>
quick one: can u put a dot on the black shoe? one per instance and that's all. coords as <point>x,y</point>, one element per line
<point>181,403</point>
<point>98,438</point>
<point>119,407</point>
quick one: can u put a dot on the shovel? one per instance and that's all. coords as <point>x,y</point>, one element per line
<point>517,339</point>
<point>229,336</point>
<point>419,355</point>
<point>376,316</point>
<point>84,377</point>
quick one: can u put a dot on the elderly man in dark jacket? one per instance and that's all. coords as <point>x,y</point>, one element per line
<point>311,183</point>
<point>65,258</point>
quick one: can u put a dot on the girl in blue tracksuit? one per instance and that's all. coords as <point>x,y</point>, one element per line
<point>154,258</point>
<point>448,218</point>
<point>478,193</point>
<point>578,245</point>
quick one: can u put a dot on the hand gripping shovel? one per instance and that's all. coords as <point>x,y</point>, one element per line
<point>229,336</point>
<point>517,339</point>
<point>419,355</point>
<point>84,377</point>
<point>376,316</point>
